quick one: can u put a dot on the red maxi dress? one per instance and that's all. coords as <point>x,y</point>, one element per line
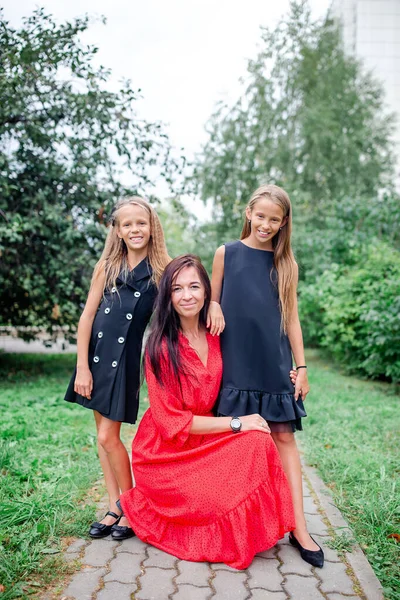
<point>218,498</point>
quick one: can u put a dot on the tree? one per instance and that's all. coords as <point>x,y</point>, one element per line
<point>311,120</point>
<point>65,141</point>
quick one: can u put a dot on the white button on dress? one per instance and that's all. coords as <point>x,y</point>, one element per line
<point>114,363</point>
<point>129,316</point>
<point>137,294</point>
<point>96,359</point>
<point>100,334</point>
<point>121,340</point>
<point>107,310</point>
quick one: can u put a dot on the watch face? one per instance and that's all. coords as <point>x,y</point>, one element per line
<point>236,423</point>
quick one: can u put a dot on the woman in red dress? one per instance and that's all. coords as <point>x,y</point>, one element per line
<point>207,488</point>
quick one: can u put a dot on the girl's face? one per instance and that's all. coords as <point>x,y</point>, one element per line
<point>188,293</point>
<point>266,219</point>
<point>134,226</point>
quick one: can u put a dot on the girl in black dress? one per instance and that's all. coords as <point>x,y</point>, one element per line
<point>110,334</point>
<point>255,281</point>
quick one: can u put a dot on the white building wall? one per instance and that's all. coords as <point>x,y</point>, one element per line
<point>371,31</point>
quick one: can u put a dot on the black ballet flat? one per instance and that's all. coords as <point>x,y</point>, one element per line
<point>313,557</point>
<point>100,530</point>
<point>121,532</point>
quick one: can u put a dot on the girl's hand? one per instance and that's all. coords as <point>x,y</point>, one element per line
<point>215,318</point>
<point>83,382</point>
<point>254,423</point>
<point>301,387</point>
<point>293,375</point>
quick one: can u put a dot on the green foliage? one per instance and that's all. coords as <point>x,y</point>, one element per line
<point>310,119</point>
<point>352,437</point>
<point>65,141</point>
<point>354,310</point>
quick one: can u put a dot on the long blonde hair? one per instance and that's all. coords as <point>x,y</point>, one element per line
<point>114,257</point>
<point>284,262</point>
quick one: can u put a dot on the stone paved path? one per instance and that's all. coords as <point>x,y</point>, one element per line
<point>132,570</point>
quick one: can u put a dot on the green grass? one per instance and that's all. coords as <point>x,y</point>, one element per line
<point>352,437</point>
<point>48,463</point>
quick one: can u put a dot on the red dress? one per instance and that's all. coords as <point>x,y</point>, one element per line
<point>219,498</point>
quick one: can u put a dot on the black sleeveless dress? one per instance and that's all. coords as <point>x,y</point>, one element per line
<point>256,354</point>
<point>115,346</point>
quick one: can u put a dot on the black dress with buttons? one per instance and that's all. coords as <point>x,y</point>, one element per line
<point>115,347</point>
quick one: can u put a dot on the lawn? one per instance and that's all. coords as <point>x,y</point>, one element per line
<point>352,437</point>
<point>48,464</point>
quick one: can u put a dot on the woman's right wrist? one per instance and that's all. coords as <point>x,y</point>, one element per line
<point>82,366</point>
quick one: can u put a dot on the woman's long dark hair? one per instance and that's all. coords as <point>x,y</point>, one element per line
<point>166,325</point>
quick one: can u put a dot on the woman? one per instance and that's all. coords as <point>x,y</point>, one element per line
<point>207,488</point>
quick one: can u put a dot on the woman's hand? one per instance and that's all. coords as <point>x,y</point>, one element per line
<point>301,387</point>
<point>254,423</point>
<point>215,318</point>
<point>83,382</point>
<point>293,375</point>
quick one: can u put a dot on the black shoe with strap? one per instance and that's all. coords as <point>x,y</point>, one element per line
<point>121,532</point>
<point>313,557</point>
<point>100,530</point>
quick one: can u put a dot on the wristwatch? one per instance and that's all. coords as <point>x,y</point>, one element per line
<point>236,424</point>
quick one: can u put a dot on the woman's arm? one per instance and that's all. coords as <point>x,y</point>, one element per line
<point>208,425</point>
<point>215,317</point>
<point>296,343</point>
<point>84,381</point>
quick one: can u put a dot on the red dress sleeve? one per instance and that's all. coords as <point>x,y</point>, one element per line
<point>171,417</point>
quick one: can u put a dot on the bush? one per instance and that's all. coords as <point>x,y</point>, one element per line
<point>354,311</point>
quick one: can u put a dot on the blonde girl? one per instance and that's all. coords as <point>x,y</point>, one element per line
<point>254,282</point>
<point>110,334</point>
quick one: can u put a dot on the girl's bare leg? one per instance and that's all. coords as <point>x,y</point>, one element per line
<point>114,462</point>
<point>287,448</point>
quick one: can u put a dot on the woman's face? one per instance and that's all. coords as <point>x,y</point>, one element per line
<point>188,294</point>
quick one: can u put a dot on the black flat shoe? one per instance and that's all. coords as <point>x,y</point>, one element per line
<point>121,532</point>
<point>313,557</point>
<point>100,530</point>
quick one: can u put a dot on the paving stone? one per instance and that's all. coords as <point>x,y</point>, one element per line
<point>306,491</point>
<point>310,506</point>
<point>84,583</point>
<point>193,573</point>
<point>292,561</point>
<point>302,588</point>
<point>156,584</point>
<point>114,589</point>
<point>329,554</point>
<point>230,586</point>
<point>76,546</point>
<point>265,574</point>
<point>315,525</point>
<point>125,568</point>
<point>222,567</point>
<point>271,553</point>
<point>335,579</point>
<point>71,556</point>
<point>132,545</point>
<point>158,558</point>
<point>339,596</point>
<point>98,553</point>
<point>263,595</point>
<point>190,592</point>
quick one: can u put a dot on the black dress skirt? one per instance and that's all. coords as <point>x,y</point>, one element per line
<point>256,353</point>
<point>115,347</point>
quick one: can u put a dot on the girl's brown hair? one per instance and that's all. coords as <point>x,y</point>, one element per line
<point>114,257</point>
<point>284,262</point>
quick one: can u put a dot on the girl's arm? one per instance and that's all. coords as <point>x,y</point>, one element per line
<point>215,317</point>
<point>83,380</point>
<point>296,343</point>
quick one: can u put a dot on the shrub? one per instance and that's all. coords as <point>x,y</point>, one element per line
<point>354,311</point>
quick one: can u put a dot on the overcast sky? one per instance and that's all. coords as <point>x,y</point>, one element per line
<point>185,55</point>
